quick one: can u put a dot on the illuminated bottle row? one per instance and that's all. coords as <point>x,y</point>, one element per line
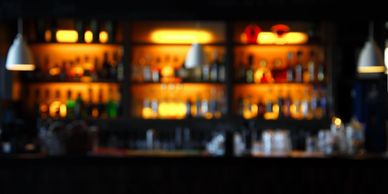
<point>170,68</point>
<point>173,106</point>
<point>307,104</point>
<point>81,68</point>
<point>75,31</point>
<point>75,106</point>
<point>294,69</point>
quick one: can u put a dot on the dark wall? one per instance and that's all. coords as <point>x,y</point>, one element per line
<point>216,9</point>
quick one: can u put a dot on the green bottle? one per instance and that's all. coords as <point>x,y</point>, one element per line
<point>111,106</point>
<point>70,105</point>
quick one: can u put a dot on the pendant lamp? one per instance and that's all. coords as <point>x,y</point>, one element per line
<point>19,57</point>
<point>370,62</point>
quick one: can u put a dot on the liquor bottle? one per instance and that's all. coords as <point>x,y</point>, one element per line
<point>101,105</point>
<point>299,67</point>
<point>314,103</point>
<point>279,71</point>
<point>155,108</point>
<point>260,107</point>
<point>222,70</point>
<point>198,104</point>
<point>322,104</point>
<point>286,105</point>
<point>120,66</point>
<point>54,108</point>
<point>106,67</point>
<point>267,75</point>
<point>79,107</point>
<point>70,105</point>
<point>205,72</point>
<point>98,71</point>
<point>249,71</point>
<point>63,71</point>
<point>113,68</point>
<point>290,67</point>
<point>306,106</point>
<point>44,105</point>
<point>309,72</point>
<point>214,67</point>
<point>321,74</point>
<point>280,104</point>
<point>147,77</point>
<point>188,108</point>
<point>146,109</point>
<point>111,106</point>
<point>91,108</point>
<point>269,114</point>
<point>88,68</point>
<point>155,73</point>
<point>213,105</point>
<point>241,72</point>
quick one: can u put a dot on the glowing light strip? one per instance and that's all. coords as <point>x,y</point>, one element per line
<point>371,69</point>
<point>181,36</point>
<point>70,36</point>
<point>21,67</point>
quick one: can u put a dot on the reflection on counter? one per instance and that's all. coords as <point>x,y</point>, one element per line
<point>79,138</point>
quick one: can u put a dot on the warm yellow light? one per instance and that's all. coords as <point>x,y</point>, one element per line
<point>181,36</point>
<point>62,111</point>
<point>167,71</point>
<point>54,71</point>
<point>104,37</point>
<point>147,113</point>
<point>273,38</point>
<point>371,69</point>
<point>337,122</point>
<point>21,67</point>
<point>70,36</point>
<point>54,108</point>
<point>88,36</point>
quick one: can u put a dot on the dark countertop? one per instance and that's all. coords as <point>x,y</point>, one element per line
<point>160,172</point>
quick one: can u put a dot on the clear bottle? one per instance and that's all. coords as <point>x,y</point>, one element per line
<point>214,67</point>
<point>299,67</point>
<point>290,67</point>
<point>250,70</point>
<point>222,70</point>
<point>309,72</point>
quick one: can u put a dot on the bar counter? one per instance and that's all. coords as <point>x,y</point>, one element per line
<point>179,172</point>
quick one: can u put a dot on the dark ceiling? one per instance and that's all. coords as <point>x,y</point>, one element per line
<point>198,9</point>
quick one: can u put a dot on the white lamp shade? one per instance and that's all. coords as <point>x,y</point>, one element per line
<point>19,56</point>
<point>371,59</point>
<point>195,57</point>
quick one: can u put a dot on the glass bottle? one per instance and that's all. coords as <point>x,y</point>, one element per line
<point>54,108</point>
<point>249,71</point>
<point>299,67</point>
<point>70,105</point>
<point>214,67</point>
<point>290,67</point>
<point>106,67</point>
<point>111,106</point>
<point>44,105</point>
<point>79,107</point>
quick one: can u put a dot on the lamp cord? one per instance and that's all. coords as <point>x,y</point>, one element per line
<point>371,30</point>
<point>20,25</point>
